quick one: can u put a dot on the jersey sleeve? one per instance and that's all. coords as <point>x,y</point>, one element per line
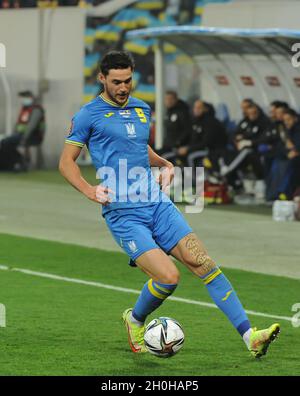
<point>80,129</point>
<point>148,111</point>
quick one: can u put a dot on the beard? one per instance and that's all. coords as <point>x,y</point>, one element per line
<point>117,98</point>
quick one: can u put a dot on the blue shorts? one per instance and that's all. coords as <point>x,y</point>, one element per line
<point>138,230</point>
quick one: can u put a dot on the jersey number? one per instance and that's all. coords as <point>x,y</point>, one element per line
<point>141,114</point>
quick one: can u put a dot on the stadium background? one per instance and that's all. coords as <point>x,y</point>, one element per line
<point>55,51</point>
<point>55,326</point>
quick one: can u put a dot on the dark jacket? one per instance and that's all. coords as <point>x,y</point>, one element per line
<point>207,133</point>
<point>177,125</point>
<point>272,140</point>
<point>294,135</point>
<point>254,130</point>
<point>279,139</point>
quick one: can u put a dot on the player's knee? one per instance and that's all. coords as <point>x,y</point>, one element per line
<point>171,277</point>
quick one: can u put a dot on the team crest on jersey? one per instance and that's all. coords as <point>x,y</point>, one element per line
<point>125,113</point>
<point>132,246</point>
<point>130,130</point>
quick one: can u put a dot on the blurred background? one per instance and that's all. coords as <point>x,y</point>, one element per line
<point>53,50</point>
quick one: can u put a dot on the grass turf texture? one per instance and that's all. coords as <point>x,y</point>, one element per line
<point>60,328</point>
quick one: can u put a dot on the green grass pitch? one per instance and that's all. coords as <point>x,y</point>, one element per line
<point>60,328</point>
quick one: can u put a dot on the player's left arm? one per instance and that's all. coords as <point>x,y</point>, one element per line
<point>156,160</point>
<point>167,172</point>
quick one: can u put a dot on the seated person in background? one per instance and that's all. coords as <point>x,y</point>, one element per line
<point>280,109</point>
<point>208,138</point>
<point>273,113</point>
<point>245,104</point>
<point>272,149</point>
<point>273,135</point>
<point>246,141</point>
<point>29,130</point>
<point>177,126</point>
<point>292,147</point>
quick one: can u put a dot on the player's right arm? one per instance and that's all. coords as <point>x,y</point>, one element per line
<point>79,136</point>
<point>71,172</point>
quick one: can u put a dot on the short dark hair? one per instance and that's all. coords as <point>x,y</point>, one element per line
<point>276,103</point>
<point>26,94</point>
<point>282,105</point>
<point>253,106</point>
<point>116,60</point>
<point>249,100</point>
<point>172,93</point>
<point>291,112</point>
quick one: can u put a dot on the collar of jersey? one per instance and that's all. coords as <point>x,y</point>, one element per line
<point>113,103</point>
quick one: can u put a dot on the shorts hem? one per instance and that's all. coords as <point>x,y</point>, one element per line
<point>138,254</point>
<point>178,240</point>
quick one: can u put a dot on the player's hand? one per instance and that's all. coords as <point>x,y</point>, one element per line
<point>238,137</point>
<point>292,154</point>
<point>166,176</point>
<point>243,144</point>
<point>290,145</point>
<point>99,194</point>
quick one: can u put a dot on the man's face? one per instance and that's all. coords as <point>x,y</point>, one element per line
<point>117,84</point>
<point>252,113</point>
<point>26,100</point>
<point>198,108</point>
<point>170,100</point>
<point>289,120</point>
<point>273,113</point>
<point>244,107</point>
<point>279,112</point>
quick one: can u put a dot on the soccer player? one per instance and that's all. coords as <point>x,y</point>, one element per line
<point>142,219</point>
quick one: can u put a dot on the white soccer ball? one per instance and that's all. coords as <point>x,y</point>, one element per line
<point>164,337</point>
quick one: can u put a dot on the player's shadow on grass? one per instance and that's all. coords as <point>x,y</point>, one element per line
<point>144,359</point>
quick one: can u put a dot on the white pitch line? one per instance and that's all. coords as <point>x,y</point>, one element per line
<point>125,290</point>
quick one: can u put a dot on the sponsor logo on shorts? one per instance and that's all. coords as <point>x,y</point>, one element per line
<point>132,246</point>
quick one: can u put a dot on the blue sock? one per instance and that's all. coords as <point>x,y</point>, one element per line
<point>152,296</point>
<point>226,299</point>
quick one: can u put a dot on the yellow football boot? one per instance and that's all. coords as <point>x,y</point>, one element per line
<point>135,333</point>
<point>261,339</point>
